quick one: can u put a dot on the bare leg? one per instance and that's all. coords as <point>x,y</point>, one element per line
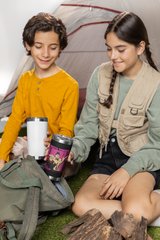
<point>88,197</point>
<point>139,199</point>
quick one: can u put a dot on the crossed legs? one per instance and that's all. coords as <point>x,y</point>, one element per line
<point>88,197</point>
<point>138,197</point>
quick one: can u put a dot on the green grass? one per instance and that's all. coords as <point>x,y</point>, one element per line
<point>51,229</point>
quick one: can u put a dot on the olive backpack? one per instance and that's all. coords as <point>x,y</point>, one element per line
<point>27,196</point>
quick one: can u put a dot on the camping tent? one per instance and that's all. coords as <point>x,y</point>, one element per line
<point>86,22</point>
<point>13,17</point>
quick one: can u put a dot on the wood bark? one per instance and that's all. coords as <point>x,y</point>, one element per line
<point>108,233</point>
<point>89,229</point>
<point>124,223</point>
<point>140,232</point>
<point>71,227</point>
<point>93,225</point>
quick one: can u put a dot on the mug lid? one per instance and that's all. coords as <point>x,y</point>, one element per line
<point>62,139</point>
<point>38,119</point>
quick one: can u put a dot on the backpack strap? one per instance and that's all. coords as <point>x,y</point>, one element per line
<point>25,184</point>
<point>10,164</point>
<point>31,214</point>
<point>30,220</point>
<point>10,169</point>
<point>14,165</point>
<point>32,205</point>
<point>30,217</point>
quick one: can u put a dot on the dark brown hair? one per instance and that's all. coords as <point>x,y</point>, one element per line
<point>130,28</point>
<point>44,22</point>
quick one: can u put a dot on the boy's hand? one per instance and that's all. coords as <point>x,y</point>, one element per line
<point>25,138</point>
<point>47,140</point>
<point>46,152</point>
<point>115,184</point>
<point>2,163</point>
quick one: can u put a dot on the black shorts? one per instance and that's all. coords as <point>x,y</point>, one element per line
<point>113,159</point>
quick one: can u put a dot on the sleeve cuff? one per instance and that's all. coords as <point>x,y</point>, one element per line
<point>132,168</point>
<point>73,149</point>
<point>79,155</point>
<point>5,158</point>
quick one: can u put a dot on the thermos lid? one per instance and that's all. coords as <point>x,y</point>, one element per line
<point>62,139</point>
<point>38,119</point>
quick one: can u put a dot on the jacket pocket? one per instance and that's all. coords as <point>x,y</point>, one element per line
<point>131,122</point>
<point>104,113</point>
<point>136,142</point>
<point>136,104</point>
<point>103,90</point>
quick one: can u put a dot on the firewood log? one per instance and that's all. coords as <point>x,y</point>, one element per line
<point>93,225</point>
<point>108,233</point>
<point>89,229</point>
<point>71,227</point>
<point>140,232</point>
<point>124,223</point>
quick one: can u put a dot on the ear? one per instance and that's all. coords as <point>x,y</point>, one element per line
<point>27,46</point>
<point>60,50</point>
<point>141,47</point>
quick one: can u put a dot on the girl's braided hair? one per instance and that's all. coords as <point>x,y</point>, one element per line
<point>130,28</point>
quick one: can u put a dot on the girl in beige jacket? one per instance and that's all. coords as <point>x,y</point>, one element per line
<point>121,109</point>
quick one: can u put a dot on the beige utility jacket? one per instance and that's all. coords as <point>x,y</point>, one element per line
<point>132,123</point>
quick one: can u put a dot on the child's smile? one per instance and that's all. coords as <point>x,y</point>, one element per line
<point>125,56</point>
<point>45,51</point>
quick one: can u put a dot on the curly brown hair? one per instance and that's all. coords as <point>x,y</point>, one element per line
<point>44,22</point>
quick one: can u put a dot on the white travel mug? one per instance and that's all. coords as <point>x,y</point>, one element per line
<point>36,132</point>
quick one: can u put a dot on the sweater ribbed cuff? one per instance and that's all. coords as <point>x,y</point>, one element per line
<point>4,157</point>
<point>132,167</point>
<point>73,149</point>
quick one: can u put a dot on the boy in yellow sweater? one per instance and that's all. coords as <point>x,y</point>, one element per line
<point>47,90</point>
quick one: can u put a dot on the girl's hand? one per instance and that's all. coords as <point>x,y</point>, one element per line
<point>115,184</point>
<point>2,163</point>
<point>70,157</point>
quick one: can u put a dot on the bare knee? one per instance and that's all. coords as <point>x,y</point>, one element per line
<point>80,205</point>
<point>138,210</point>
